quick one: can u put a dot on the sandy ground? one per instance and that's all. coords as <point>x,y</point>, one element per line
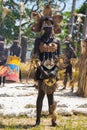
<point>20,99</point>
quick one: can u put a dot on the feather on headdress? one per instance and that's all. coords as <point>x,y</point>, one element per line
<point>46,20</point>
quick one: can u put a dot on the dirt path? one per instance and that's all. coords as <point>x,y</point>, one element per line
<point>17,99</point>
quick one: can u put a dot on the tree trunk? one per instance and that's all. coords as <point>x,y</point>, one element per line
<point>0,13</point>
<point>85,26</point>
<point>23,48</point>
<point>82,79</point>
<point>72,17</point>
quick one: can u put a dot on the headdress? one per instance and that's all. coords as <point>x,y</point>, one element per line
<point>16,40</point>
<point>47,19</point>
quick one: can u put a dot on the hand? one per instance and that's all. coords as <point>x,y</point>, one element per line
<point>43,72</point>
<point>52,74</point>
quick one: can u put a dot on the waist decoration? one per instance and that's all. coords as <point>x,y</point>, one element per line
<point>50,81</point>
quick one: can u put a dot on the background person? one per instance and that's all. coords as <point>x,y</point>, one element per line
<point>3,60</point>
<point>15,49</point>
<point>68,53</point>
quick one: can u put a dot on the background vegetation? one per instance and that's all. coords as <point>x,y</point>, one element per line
<point>10,25</point>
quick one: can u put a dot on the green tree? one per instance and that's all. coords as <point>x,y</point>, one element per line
<point>10,25</point>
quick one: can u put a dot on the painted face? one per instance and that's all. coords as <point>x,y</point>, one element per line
<point>48,29</point>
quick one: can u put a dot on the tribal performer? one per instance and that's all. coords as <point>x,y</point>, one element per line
<point>15,49</point>
<point>69,54</point>
<point>13,61</point>
<point>46,49</point>
<point>3,60</point>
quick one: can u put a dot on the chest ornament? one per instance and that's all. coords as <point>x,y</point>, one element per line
<point>52,47</point>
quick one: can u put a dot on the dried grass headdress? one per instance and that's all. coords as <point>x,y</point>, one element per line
<point>47,19</point>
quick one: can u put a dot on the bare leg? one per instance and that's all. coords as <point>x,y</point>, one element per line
<point>4,80</point>
<point>65,80</point>
<point>71,81</point>
<point>0,80</point>
<point>39,102</point>
<point>52,107</point>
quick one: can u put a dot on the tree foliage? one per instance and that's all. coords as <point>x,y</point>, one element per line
<point>10,25</point>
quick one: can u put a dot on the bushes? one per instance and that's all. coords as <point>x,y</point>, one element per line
<point>27,70</point>
<point>24,67</point>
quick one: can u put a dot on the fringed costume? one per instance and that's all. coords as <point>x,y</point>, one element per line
<point>46,49</point>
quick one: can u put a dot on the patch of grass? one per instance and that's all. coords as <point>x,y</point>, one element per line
<point>25,123</point>
<point>44,114</point>
<point>30,106</point>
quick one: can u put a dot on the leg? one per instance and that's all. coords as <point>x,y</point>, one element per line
<point>70,72</point>
<point>52,107</point>
<point>20,75</point>
<point>65,80</point>
<point>39,102</point>
<point>71,79</point>
<point>4,80</point>
<point>0,80</point>
<point>50,99</point>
